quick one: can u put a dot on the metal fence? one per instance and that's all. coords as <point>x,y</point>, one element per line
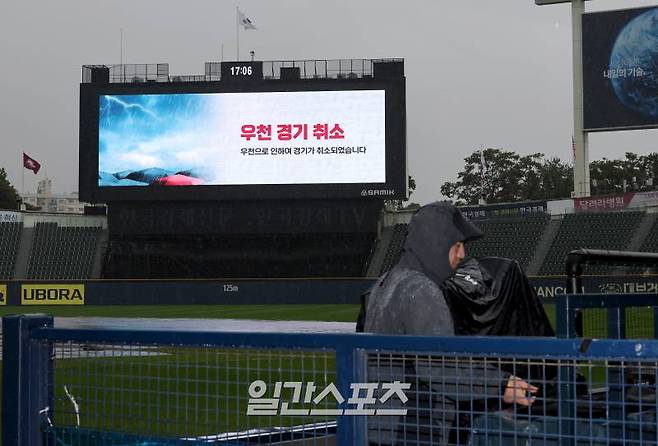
<point>308,69</point>
<point>612,316</point>
<point>119,387</point>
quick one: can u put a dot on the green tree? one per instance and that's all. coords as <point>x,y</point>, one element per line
<point>633,173</point>
<point>399,204</point>
<point>8,195</point>
<point>509,177</point>
<point>557,179</point>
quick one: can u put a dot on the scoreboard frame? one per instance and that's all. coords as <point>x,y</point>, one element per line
<point>394,187</point>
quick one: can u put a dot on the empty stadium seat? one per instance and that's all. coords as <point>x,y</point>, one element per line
<point>514,238</point>
<point>62,252</point>
<point>609,230</point>
<point>10,235</point>
<point>651,241</point>
<point>394,249</point>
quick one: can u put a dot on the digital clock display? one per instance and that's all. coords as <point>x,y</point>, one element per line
<point>239,71</point>
<point>242,70</point>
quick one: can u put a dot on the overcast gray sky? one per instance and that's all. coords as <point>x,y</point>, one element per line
<point>479,72</point>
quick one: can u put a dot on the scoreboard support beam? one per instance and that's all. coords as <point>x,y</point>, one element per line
<point>581,177</point>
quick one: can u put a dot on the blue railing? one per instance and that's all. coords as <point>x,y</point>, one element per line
<point>75,386</point>
<point>570,306</point>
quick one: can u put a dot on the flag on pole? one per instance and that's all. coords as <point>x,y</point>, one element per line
<point>31,164</point>
<point>483,166</point>
<point>573,148</point>
<point>245,21</point>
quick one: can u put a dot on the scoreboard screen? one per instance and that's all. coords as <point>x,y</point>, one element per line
<point>219,142</point>
<point>620,80</point>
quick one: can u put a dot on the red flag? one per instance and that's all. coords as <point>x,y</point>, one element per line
<point>31,163</point>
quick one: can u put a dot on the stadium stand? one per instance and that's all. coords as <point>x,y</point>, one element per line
<point>609,230</point>
<point>651,241</point>
<point>55,247</point>
<point>514,238</point>
<point>62,252</point>
<point>395,247</point>
<point>10,235</point>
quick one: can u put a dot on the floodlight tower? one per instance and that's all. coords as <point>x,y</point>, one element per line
<point>581,155</point>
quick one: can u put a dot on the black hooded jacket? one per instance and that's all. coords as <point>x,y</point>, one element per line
<point>409,300</point>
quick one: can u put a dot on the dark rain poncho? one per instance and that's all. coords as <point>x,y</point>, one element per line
<point>491,296</point>
<point>409,300</point>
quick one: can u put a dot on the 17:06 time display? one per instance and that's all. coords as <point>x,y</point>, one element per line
<point>241,70</point>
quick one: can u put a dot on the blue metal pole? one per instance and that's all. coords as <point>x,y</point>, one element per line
<point>564,317</point>
<point>344,375</point>
<point>26,398</point>
<point>616,408</point>
<point>360,364</point>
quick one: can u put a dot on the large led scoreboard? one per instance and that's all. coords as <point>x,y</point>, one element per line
<point>243,137</point>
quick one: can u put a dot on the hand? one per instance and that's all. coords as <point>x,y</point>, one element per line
<point>518,391</point>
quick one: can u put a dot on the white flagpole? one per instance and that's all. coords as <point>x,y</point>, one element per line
<point>483,166</point>
<point>22,179</point>
<point>237,32</point>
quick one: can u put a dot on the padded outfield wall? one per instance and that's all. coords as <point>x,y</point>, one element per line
<point>257,291</point>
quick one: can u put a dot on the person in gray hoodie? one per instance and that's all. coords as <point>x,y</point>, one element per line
<point>408,300</point>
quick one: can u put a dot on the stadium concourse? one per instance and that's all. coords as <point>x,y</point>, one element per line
<point>538,234</point>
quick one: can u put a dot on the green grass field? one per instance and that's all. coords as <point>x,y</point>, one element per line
<point>183,391</point>
<point>339,313</point>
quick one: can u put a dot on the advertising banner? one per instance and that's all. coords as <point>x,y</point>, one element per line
<point>10,217</point>
<point>265,291</point>
<point>620,80</point>
<point>52,294</point>
<point>549,288</point>
<point>603,203</point>
<point>504,210</point>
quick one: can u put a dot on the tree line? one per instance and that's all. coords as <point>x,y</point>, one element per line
<point>8,195</point>
<point>499,176</point>
<point>508,177</point>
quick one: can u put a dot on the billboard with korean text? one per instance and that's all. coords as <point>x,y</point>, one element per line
<point>271,140</point>
<point>620,78</point>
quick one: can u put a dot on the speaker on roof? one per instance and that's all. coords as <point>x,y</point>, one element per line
<point>290,73</point>
<point>100,75</point>
<point>388,70</point>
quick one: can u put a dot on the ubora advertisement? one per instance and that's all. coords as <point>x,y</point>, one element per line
<point>53,294</point>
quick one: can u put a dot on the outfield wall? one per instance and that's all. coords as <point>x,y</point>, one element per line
<point>187,292</point>
<point>256,291</point>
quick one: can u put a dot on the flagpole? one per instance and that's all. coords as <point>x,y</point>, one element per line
<point>237,32</point>
<point>22,180</point>
<point>481,176</point>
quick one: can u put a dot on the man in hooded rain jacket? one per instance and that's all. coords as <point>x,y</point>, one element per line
<point>408,301</point>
